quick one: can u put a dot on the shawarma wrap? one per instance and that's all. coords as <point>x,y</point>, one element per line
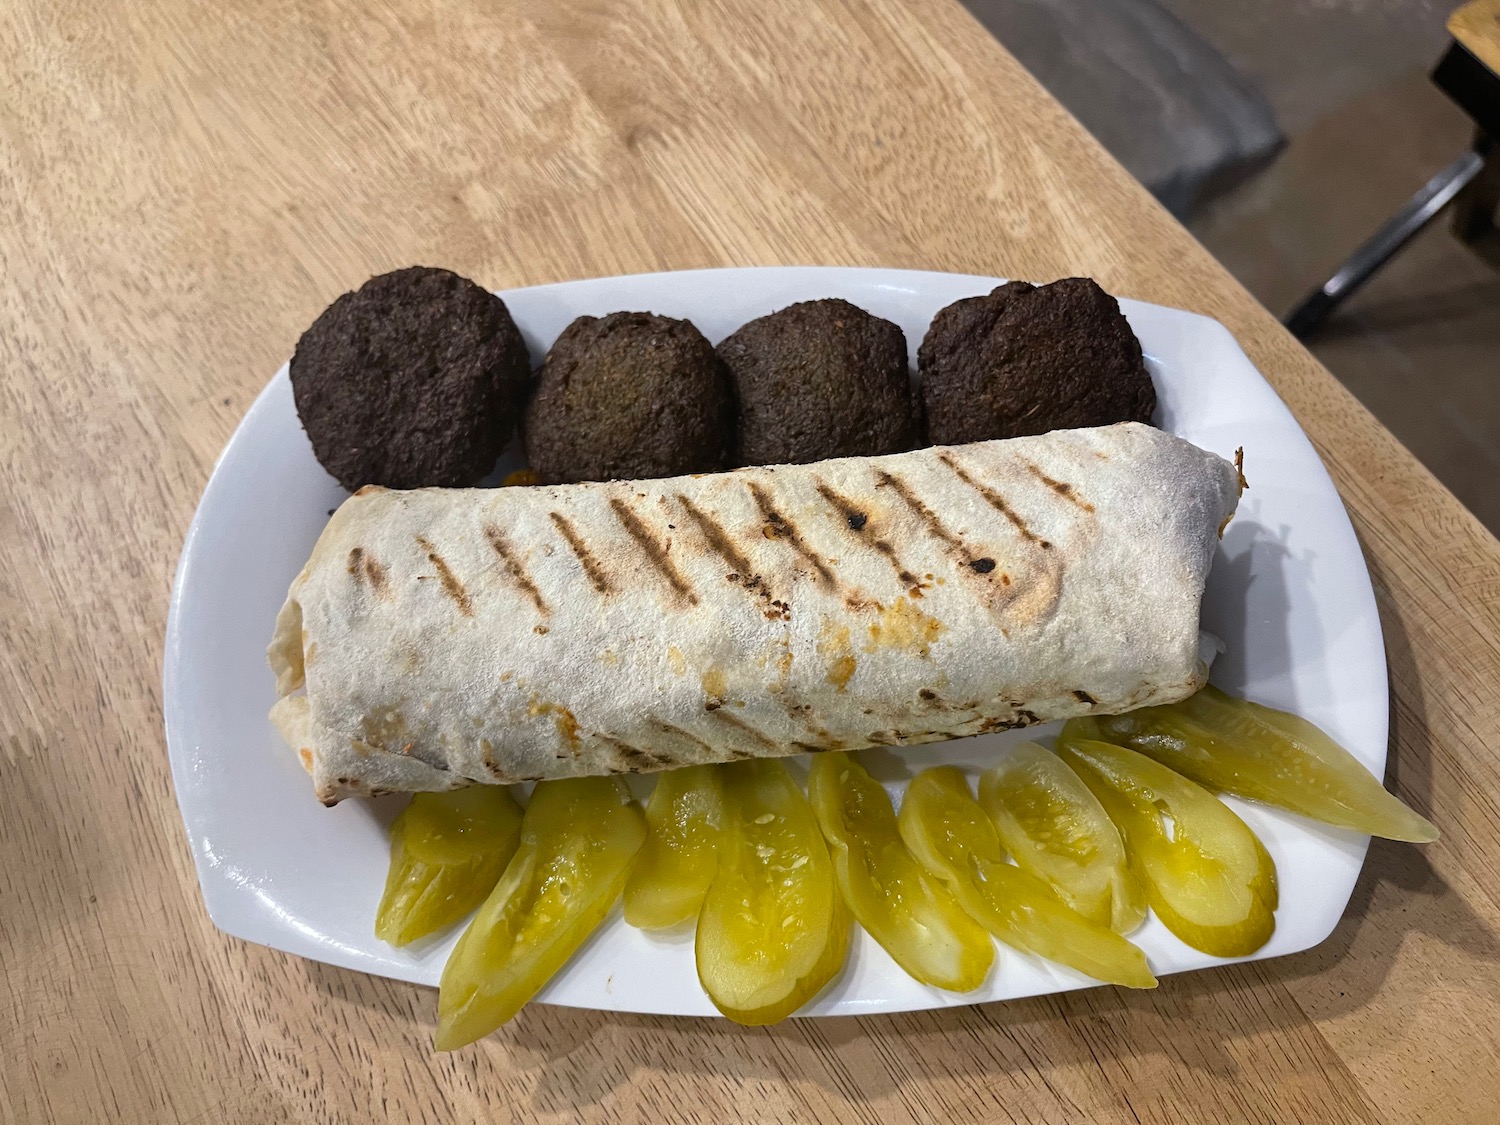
<point>439,637</point>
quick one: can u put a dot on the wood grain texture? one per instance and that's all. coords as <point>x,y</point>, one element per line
<point>1477,26</point>
<point>183,187</point>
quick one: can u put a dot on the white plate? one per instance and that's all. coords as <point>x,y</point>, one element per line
<point>1289,593</point>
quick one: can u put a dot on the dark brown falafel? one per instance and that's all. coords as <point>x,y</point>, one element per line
<point>1027,359</point>
<point>412,380</point>
<point>820,379</point>
<point>628,396</point>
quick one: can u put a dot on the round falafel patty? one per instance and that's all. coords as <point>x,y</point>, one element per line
<point>820,379</point>
<point>1028,359</point>
<point>413,380</point>
<point>628,396</point>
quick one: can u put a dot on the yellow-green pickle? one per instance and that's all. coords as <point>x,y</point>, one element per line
<point>773,929</point>
<point>447,853</point>
<point>952,837</point>
<point>1057,830</point>
<point>913,916</point>
<point>578,838</point>
<point>676,864</point>
<point>1208,878</point>
<point>1261,754</point>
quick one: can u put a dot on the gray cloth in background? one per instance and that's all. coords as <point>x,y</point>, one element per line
<point>1168,106</point>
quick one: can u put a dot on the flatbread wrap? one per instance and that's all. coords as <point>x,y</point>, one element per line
<point>439,637</point>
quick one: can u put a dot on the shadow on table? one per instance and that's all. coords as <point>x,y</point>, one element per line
<point>582,1058</point>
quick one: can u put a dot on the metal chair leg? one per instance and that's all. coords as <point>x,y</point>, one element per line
<point>1420,210</point>
<point>1474,207</point>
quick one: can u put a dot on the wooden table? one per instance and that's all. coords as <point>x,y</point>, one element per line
<point>1476,26</point>
<point>184,186</point>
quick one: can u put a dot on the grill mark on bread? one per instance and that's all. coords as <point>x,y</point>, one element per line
<point>636,760</point>
<point>918,507</point>
<point>857,522</point>
<point>364,567</point>
<point>596,575</point>
<point>995,500</point>
<point>376,574</point>
<point>743,574</point>
<point>717,538</point>
<point>1062,488</point>
<point>677,732</point>
<point>655,553</point>
<point>514,568</point>
<point>783,528</point>
<point>447,579</point>
<point>746,729</point>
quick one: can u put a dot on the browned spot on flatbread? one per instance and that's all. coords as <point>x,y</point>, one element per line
<point>1023,718</point>
<point>857,521</point>
<point>834,644</point>
<point>449,581</point>
<point>779,527</point>
<point>918,507</point>
<point>902,625</point>
<point>1084,697</point>
<point>514,568</point>
<point>567,725</point>
<point>841,671</point>
<point>1062,488</point>
<point>994,500</point>
<point>307,759</point>
<point>487,751</point>
<point>654,552</point>
<point>596,575</point>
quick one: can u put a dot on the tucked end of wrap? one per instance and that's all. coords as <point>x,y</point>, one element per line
<point>285,653</point>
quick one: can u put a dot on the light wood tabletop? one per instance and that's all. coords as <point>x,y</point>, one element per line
<point>1477,26</point>
<point>183,187</point>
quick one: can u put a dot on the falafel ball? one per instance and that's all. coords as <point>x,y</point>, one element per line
<point>413,380</point>
<point>626,397</point>
<point>820,379</point>
<point>1027,359</point>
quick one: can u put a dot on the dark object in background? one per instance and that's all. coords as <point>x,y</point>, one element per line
<point>1027,359</point>
<point>413,380</point>
<point>628,396</point>
<point>1157,95</point>
<point>1470,184</point>
<point>820,379</point>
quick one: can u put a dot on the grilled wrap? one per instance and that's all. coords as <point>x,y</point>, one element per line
<point>439,637</point>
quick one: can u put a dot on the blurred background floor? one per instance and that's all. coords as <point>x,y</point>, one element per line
<point>1360,129</point>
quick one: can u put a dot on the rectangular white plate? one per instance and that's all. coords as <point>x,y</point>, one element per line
<point>1289,594</point>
